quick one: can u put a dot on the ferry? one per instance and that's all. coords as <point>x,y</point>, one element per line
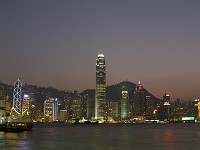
<point>16,127</point>
<point>11,124</point>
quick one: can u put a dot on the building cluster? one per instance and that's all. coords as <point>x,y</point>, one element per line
<point>135,105</point>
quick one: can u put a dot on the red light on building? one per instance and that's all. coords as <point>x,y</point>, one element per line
<point>139,86</point>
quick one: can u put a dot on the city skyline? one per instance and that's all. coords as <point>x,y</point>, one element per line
<point>56,43</point>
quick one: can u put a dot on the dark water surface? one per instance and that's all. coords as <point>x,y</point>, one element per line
<point>61,136</point>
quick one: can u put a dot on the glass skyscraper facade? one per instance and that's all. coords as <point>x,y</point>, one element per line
<point>100,99</point>
<point>139,100</point>
<point>50,109</point>
<point>124,105</point>
<point>166,100</point>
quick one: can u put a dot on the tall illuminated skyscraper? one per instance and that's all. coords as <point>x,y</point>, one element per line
<point>139,100</point>
<point>124,104</point>
<point>164,110</point>
<point>100,97</point>
<point>17,98</point>
<point>166,103</point>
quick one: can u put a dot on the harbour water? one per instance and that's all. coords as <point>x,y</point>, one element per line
<point>62,136</point>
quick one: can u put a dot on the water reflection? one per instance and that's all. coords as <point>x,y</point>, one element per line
<point>19,141</point>
<point>113,137</point>
<point>108,137</point>
<point>2,140</point>
<point>168,137</point>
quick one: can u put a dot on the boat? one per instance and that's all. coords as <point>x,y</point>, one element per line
<point>16,126</point>
<point>91,122</point>
<point>86,122</point>
<point>13,124</point>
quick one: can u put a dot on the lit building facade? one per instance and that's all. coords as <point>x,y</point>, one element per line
<point>166,99</point>
<point>139,100</point>
<point>26,104</point>
<point>88,104</point>
<point>197,103</point>
<point>150,106</point>
<point>164,110</point>
<point>50,109</point>
<point>178,111</point>
<point>17,98</point>
<point>166,103</point>
<point>5,107</point>
<point>100,95</point>
<point>113,110</point>
<point>76,106</point>
<point>124,104</point>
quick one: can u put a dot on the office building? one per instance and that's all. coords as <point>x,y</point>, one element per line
<point>17,98</point>
<point>166,103</point>
<point>124,104</point>
<point>164,110</point>
<point>139,100</point>
<point>50,109</point>
<point>26,104</point>
<point>113,110</point>
<point>100,95</point>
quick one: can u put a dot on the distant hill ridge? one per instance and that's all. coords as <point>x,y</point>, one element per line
<point>114,92</point>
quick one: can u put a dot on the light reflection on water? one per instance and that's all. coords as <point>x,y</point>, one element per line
<point>12,141</point>
<point>104,137</point>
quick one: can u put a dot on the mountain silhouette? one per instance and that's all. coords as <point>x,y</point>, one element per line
<point>114,92</point>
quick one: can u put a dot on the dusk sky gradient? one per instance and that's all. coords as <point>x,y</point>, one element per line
<point>56,42</point>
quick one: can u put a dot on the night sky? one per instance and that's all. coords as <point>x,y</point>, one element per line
<point>56,42</point>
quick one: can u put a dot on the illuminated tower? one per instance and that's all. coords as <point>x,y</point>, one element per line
<point>17,98</point>
<point>166,99</point>
<point>139,100</point>
<point>26,104</point>
<point>51,109</point>
<point>100,99</point>
<point>124,104</point>
<point>166,103</point>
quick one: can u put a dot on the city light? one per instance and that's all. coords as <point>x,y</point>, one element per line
<point>26,95</point>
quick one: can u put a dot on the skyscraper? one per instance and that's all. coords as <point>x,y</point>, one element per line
<point>26,104</point>
<point>166,99</point>
<point>124,104</point>
<point>17,98</point>
<point>139,100</point>
<point>50,109</point>
<point>166,103</point>
<point>100,99</point>
<point>164,110</point>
